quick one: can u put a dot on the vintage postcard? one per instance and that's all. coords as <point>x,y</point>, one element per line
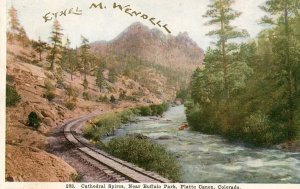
<point>150,94</point>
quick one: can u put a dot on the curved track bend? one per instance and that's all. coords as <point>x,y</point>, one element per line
<point>115,169</point>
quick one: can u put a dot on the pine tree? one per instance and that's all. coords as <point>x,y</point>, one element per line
<point>213,89</point>
<point>39,46</point>
<point>23,37</point>
<point>66,55</point>
<point>112,75</point>
<point>100,80</point>
<point>16,31</point>
<point>14,21</point>
<point>221,14</point>
<point>56,41</point>
<point>69,60</point>
<point>71,93</point>
<point>84,60</point>
<point>85,56</point>
<point>94,62</point>
<point>74,63</point>
<point>286,49</point>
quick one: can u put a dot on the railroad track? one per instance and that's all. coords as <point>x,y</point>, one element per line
<point>113,169</point>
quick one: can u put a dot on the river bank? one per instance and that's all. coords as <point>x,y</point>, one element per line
<point>208,158</point>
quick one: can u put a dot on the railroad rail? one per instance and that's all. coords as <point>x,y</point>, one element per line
<point>117,169</point>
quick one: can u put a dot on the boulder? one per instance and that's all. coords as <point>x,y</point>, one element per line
<point>183,127</point>
<point>165,137</point>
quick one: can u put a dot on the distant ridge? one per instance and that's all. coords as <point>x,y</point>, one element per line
<point>152,45</point>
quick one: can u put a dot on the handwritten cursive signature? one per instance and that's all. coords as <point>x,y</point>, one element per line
<point>127,9</point>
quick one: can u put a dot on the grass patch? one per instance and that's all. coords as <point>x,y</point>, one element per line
<point>50,90</point>
<point>70,105</point>
<point>86,96</point>
<point>145,154</point>
<point>127,115</point>
<point>103,99</point>
<point>154,110</point>
<point>12,96</point>
<point>101,126</point>
<point>107,123</point>
<point>76,177</point>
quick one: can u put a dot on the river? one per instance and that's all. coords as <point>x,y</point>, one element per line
<point>212,159</point>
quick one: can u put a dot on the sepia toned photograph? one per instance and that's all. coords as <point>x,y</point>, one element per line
<point>157,91</point>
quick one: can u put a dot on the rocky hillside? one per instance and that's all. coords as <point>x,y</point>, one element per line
<point>25,146</point>
<point>151,45</point>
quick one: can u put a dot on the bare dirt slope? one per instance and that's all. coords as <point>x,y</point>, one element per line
<point>35,165</point>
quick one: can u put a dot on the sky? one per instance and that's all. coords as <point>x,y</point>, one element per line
<point>105,24</point>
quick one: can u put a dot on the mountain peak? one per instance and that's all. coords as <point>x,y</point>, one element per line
<point>137,26</point>
<point>152,45</point>
<point>136,29</point>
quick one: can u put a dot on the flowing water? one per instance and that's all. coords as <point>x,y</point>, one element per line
<point>211,159</point>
